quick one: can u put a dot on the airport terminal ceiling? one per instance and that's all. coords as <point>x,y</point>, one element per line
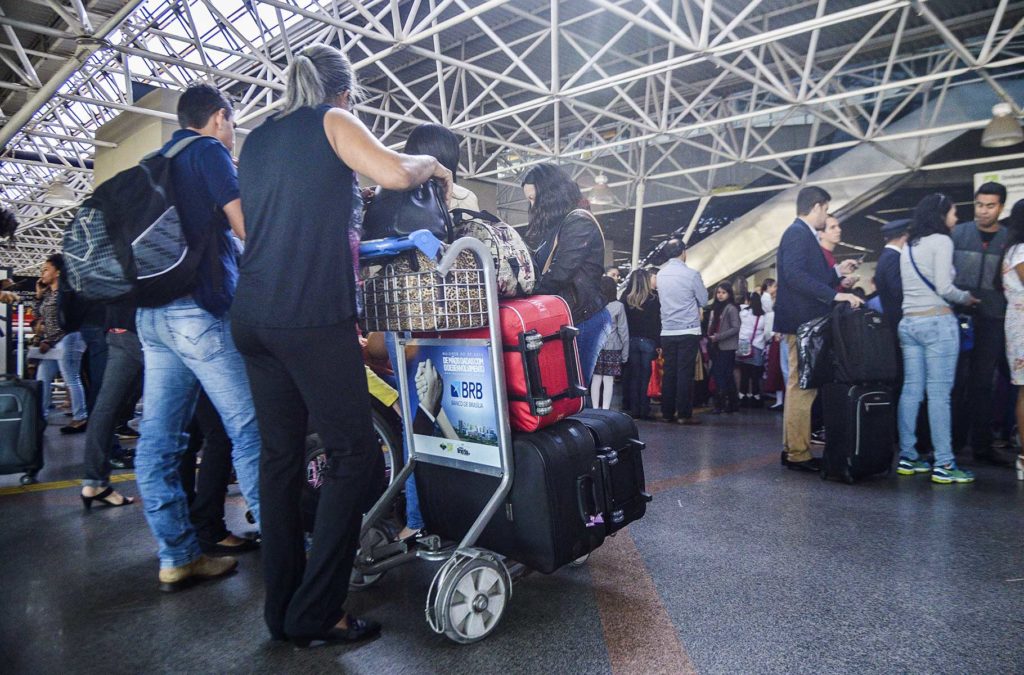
<point>704,105</point>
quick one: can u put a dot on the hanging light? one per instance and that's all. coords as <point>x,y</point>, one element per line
<point>60,194</point>
<point>1004,130</point>
<point>601,193</point>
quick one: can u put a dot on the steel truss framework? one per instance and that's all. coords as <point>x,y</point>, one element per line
<point>673,100</point>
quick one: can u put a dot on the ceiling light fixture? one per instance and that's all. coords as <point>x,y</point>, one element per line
<point>601,193</point>
<point>1004,130</point>
<point>60,194</point>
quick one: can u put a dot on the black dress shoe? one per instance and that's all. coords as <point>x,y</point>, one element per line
<point>215,549</point>
<point>811,465</point>
<point>357,631</point>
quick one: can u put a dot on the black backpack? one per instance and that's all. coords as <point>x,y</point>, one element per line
<point>127,237</point>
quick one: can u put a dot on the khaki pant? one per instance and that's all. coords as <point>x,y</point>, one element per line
<point>796,417</point>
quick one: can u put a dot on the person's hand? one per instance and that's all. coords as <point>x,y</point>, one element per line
<point>848,267</point>
<point>429,386</point>
<point>850,281</point>
<point>8,297</point>
<point>972,301</point>
<point>713,338</point>
<point>854,300</point>
<point>363,342</point>
<point>444,178</point>
<point>44,347</point>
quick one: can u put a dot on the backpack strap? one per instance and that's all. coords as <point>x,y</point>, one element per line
<point>178,147</point>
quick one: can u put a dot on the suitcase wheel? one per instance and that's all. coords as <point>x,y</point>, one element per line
<point>29,479</point>
<point>581,561</point>
<point>471,596</point>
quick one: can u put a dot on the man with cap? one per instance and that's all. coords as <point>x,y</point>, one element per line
<point>887,271</point>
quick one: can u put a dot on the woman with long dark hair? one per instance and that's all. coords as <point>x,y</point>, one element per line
<point>930,338</point>
<point>643,317</point>
<point>568,246</point>
<point>297,175</point>
<point>723,336</point>
<point>1013,287</point>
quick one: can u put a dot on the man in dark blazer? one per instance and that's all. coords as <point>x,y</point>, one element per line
<point>806,291</point>
<point>887,271</point>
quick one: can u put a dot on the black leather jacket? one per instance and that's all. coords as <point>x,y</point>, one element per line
<point>577,264</point>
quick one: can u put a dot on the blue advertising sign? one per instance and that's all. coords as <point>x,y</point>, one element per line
<point>451,403</point>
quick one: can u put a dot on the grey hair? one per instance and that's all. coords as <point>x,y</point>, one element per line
<point>318,73</point>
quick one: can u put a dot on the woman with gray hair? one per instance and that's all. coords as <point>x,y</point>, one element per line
<point>293,319</point>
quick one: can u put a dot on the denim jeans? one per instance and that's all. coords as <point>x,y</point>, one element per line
<point>593,332</point>
<point>185,346</point>
<point>637,376</point>
<point>413,516</point>
<point>70,366</point>
<point>95,338</point>
<point>930,345</point>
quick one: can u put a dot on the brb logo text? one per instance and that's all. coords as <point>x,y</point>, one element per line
<point>472,390</point>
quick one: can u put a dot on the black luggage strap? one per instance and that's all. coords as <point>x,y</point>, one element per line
<point>529,346</point>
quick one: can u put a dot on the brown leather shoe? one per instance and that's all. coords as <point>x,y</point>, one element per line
<point>202,568</point>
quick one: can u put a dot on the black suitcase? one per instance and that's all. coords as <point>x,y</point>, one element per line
<point>620,452</point>
<point>860,430</point>
<point>552,515</point>
<point>21,427</point>
<point>862,346</point>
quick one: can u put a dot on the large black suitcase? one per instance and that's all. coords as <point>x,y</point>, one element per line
<point>21,427</point>
<point>619,450</point>
<point>552,515</point>
<point>860,430</point>
<point>862,346</point>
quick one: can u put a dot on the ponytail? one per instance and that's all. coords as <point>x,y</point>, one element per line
<point>318,73</point>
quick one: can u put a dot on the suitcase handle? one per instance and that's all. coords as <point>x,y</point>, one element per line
<point>530,344</point>
<point>589,517</point>
<point>572,364</point>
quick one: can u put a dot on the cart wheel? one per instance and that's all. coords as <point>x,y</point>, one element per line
<point>28,479</point>
<point>581,561</point>
<point>472,599</point>
<point>373,538</point>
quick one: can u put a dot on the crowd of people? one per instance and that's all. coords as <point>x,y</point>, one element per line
<point>249,380</point>
<point>952,295</point>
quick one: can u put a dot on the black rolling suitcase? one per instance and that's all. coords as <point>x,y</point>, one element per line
<point>21,427</point>
<point>860,424</point>
<point>619,450</point>
<point>552,515</point>
<point>862,346</point>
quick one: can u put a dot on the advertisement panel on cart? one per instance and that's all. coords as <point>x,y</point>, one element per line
<point>450,403</point>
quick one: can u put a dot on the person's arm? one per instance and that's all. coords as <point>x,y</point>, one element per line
<point>572,251</point>
<point>943,265</point>
<point>364,154</point>
<point>622,326</point>
<point>1020,272</point>
<point>233,210</point>
<point>700,293</point>
<point>794,273</point>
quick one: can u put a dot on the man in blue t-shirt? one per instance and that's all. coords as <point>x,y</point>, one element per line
<point>187,343</point>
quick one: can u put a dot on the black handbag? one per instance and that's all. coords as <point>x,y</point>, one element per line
<point>396,213</point>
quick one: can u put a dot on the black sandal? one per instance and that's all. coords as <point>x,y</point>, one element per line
<point>102,498</point>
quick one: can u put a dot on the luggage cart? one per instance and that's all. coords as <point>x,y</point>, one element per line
<point>470,592</point>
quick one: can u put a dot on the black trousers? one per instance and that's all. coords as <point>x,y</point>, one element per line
<point>317,374</point>
<point>750,379</point>
<point>207,491</point>
<point>123,375</point>
<point>680,352</point>
<point>975,384</point>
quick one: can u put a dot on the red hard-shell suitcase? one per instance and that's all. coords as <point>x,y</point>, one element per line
<point>542,364</point>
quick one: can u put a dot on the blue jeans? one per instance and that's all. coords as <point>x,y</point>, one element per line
<point>593,332</point>
<point>637,376</point>
<point>413,516</point>
<point>185,346</point>
<point>70,366</point>
<point>931,345</point>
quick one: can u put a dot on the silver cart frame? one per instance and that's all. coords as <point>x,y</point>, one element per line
<point>470,591</point>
